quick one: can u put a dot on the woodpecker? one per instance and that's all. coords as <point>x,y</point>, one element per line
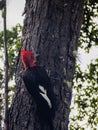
<point>39,86</point>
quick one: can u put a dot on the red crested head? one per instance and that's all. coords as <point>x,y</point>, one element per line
<point>28,59</point>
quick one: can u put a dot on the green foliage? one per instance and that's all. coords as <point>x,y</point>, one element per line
<point>1,74</point>
<point>84,111</point>
<point>14,43</point>
<point>86,97</point>
<point>89,31</point>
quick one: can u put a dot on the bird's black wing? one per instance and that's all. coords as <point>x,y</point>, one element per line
<point>35,78</point>
<point>45,82</point>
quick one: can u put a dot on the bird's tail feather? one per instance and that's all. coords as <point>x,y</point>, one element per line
<point>47,126</point>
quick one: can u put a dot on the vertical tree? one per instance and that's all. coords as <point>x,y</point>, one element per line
<point>51,29</point>
<point>3,8</point>
<point>6,70</point>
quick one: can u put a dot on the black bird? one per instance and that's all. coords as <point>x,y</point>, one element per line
<point>38,85</point>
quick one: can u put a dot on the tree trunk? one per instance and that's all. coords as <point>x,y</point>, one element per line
<point>51,29</point>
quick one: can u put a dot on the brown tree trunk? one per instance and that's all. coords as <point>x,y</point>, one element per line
<point>51,29</point>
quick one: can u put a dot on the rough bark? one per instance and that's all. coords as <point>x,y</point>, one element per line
<point>51,29</point>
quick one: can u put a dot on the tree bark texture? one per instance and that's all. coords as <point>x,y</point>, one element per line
<point>51,29</point>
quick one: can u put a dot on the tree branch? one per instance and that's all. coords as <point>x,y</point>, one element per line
<point>6,71</point>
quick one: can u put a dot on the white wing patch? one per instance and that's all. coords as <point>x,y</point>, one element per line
<point>44,95</point>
